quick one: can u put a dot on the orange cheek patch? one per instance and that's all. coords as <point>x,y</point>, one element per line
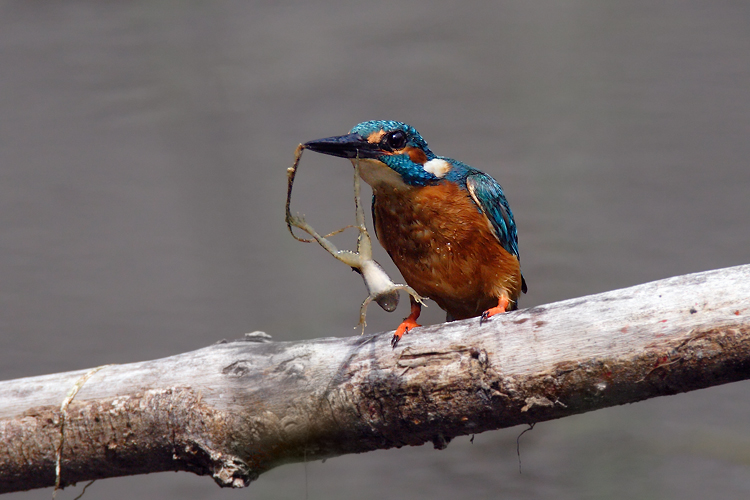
<point>416,155</point>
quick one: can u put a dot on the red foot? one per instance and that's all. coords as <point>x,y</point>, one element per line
<point>502,306</point>
<point>407,324</point>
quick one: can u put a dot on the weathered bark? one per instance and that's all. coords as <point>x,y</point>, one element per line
<point>234,410</point>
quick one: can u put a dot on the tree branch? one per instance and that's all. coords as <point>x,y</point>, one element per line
<point>235,410</point>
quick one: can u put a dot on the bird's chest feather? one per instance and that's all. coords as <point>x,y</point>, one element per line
<point>440,241</point>
<point>422,223</point>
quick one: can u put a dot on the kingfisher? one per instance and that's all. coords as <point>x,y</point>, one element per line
<point>447,226</point>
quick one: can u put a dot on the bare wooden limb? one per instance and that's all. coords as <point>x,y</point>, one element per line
<point>237,409</point>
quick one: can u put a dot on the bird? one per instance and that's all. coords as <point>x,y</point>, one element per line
<point>448,227</point>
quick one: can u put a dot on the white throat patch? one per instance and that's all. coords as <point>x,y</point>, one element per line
<point>376,174</point>
<point>437,167</point>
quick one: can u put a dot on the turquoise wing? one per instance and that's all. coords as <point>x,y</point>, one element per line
<point>489,197</point>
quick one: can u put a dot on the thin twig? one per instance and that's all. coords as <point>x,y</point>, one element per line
<point>518,445</point>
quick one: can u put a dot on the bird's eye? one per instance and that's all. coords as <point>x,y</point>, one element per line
<point>395,140</point>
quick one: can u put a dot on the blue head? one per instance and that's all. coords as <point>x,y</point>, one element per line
<point>385,148</point>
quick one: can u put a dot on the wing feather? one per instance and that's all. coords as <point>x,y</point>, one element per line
<point>491,201</point>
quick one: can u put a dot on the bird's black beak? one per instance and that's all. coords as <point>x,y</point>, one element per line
<point>345,146</point>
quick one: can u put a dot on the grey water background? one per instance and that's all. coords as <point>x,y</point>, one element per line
<point>143,149</point>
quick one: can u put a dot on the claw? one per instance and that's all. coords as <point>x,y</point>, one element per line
<point>408,323</point>
<point>502,305</point>
<point>403,329</point>
<point>485,317</point>
<point>394,341</point>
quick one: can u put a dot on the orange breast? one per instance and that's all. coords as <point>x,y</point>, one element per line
<point>445,248</point>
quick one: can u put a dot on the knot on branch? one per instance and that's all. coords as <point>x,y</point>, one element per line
<point>233,473</point>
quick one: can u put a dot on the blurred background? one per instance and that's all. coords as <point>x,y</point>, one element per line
<point>143,149</point>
